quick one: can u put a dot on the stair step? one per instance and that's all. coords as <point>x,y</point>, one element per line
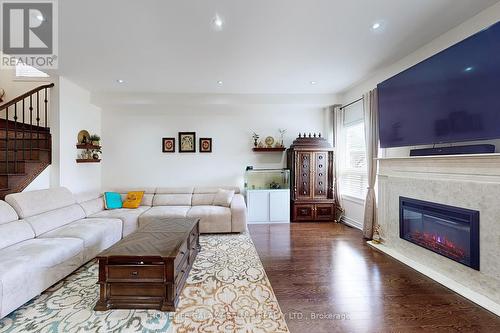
<point>24,143</point>
<point>23,134</point>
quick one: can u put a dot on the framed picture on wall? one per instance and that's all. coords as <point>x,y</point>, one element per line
<point>168,145</point>
<point>187,142</point>
<point>205,145</point>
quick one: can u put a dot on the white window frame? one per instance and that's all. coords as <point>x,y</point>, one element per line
<point>356,197</point>
<point>31,78</point>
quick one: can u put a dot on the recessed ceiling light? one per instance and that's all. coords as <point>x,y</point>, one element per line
<point>120,81</point>
<point>376,25</point>
<point>220,83</point>
<point>217,22</point>
<point>313,82</point>
<point>469,69</point>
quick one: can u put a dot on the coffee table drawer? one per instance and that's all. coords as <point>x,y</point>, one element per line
<point>139,273</point>
<point>183,252</point>
<point>136,290</point>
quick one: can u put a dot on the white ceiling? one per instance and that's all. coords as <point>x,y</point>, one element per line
<point>265,47</point>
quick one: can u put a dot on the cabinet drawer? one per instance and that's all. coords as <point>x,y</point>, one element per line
<point>181,271</point>
<point>135,272</point>
<point>136,290</point>
<point>303,212</point>
<point>194,234</point>
<point>183,252</point>
<point>324,212</point>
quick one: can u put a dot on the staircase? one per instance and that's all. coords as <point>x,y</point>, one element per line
<point>25,140</point>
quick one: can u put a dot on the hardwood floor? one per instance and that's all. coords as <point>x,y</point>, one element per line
<point>327,270</point>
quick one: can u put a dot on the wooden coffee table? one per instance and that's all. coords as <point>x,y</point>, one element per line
<point>147,269</point>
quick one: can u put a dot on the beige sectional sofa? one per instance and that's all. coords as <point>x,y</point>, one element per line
<point>46,235</point>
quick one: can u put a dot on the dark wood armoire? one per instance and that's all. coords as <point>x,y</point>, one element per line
<point>312,174</point>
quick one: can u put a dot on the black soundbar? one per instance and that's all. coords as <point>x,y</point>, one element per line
<point>456,150</point>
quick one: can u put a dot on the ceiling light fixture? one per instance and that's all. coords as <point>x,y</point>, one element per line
<point>120,81</point>
<point>376,25</point>
<point>40,18</point>
<point>220,83</point>
<point>217,22</point>
<point>313,82</point>
<point>468,69</point>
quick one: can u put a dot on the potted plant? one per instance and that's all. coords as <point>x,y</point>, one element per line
<point>95,139</point>
<point>95,153</point>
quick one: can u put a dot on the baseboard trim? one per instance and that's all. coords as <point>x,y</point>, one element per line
<point>352,223</point>
<point>466,292</point>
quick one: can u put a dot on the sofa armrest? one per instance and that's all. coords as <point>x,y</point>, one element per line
<point>238,214</point>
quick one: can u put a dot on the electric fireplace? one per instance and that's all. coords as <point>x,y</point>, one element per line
<point>450,231</point>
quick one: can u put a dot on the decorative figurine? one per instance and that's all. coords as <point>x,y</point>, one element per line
<point>255,137</point>
<point>282,134</point>
<point>376,234</point>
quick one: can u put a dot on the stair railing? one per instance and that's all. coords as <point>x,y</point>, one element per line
<point>26,124</point>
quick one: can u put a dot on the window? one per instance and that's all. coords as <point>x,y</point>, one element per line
<point>354,176</point>
<point>25,71</point>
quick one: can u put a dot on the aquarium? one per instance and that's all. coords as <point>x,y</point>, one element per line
<point>267,179</point>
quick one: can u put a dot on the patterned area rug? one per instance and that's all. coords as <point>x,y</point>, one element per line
<point>227,291</point>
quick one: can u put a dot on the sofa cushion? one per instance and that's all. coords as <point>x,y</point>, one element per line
<point>129,217</point>
<point>33,203</point>
<point>172,200</point>
<point>213,219</point>
<point>7,213</point>
<point>213,190</point>
<point>41,252</point>
<point>163,212</point>
<point>223,198</point>
<point>48,221</point>
<point>91,202</point>
<point>202,199</point>
<point>14,232</point>
<point>35,265</point>
<point>97,234</point>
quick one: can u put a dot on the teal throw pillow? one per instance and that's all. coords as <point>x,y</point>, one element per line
<point>112,200</point>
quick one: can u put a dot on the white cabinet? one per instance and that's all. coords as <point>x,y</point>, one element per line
<point>268,206</point>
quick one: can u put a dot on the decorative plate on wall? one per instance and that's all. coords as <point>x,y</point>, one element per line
<point>83,137</point>
<point>269,141</point>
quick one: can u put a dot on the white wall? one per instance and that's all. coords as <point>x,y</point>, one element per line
<point>75,113</point>
<point>354,210</point>
<point>132,141</point>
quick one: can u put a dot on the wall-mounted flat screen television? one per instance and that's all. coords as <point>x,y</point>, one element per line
<point>453,96</point>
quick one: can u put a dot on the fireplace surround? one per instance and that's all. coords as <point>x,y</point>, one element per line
<point>466,181</point>
<point>450,231</point>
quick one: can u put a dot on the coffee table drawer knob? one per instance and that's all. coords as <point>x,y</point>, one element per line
<point>134,273</point>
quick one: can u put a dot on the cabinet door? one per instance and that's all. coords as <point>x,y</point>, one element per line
<point>324,212</point>
<point>258,206</point>
<point>303,212</point>
<point>320,178</point>
<point>304,175</point>
<point>279,206</point>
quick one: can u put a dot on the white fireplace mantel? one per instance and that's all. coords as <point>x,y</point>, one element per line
<point>467,181</point>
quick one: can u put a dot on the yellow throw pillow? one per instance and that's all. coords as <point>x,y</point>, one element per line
<point>133,199</point>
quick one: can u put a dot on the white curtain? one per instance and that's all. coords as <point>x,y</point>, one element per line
<point>370,101</point>
<point>338,131</point>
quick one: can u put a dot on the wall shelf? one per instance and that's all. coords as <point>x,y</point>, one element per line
<point>87,146</point>
<point>269,150</point>
<point>87,160</point>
